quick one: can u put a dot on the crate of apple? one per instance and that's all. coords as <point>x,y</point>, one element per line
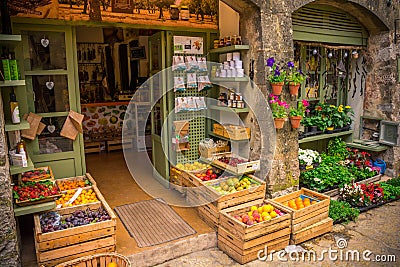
<point>258,214</point>
<point>209,174</point>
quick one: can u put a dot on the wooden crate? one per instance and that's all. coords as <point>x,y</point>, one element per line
<point>48,176</point>
<point>309,215</point>
<point>246,167</point>
<point>92,147</point>
<point>317,229</point>
<point>236,132</point>
<point>64,245</point>
<point>242,242</point>
<point>78,178</point>
<point>176,178</point>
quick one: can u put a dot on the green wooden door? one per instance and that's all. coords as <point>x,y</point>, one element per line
<point>49,68</point>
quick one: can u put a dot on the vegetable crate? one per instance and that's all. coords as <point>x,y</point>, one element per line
<point>38,174</point>
<point>36,193</point>
<point>240,168</point>
<point>309,232</point>
<point>210,212</point>
<point>59,246</point>
<point>307,216</point>
<point>243,242</point>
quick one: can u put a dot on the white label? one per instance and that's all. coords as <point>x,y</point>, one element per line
<point>15,115</point>
<point>255,166</point>
<point>72,199</point>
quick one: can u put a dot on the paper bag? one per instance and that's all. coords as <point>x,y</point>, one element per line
<point>34,121</point>
<point>72,125</point>
<point>40,128</point>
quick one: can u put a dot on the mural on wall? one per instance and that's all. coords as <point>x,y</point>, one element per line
<point>171,13</point>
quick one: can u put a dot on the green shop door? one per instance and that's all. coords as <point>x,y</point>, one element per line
<point>49,68</point>
<point>159,110</point>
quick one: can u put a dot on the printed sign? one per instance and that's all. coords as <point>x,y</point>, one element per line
<point>188,45</point>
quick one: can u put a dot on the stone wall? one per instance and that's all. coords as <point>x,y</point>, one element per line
<point>9,253</point>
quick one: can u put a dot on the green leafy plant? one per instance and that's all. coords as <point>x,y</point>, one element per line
<point>301,110</point>
<point>295,76</point>
<point>337,147</point>
<point>279,108</point>
<point>341,211</point>
<point>276,74</point>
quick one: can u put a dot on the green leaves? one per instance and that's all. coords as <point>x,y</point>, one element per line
<point>341,211</point>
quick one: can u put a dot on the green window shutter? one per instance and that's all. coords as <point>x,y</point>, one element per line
<point>317,23</point>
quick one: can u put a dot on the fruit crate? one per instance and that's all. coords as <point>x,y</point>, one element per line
<point>210,212</point>
<point>243,242</point>
<point>60,246</point>
<point>38,174</point>
<point>101,260</point>
<point>236,132</point>
<point>29,202</point>
<point>322,227</point>
<point>79,206</point>
<point>193,179</point>
<point>308,215</point>
<point>176,178</point>
<point>87,179</point>
<point>240,168</point>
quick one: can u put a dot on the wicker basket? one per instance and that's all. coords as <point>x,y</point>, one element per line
<point>98,260</point>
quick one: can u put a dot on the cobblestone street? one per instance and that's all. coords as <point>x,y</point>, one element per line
<point>376,230</point>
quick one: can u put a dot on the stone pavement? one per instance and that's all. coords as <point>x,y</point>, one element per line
<point>376,230</point>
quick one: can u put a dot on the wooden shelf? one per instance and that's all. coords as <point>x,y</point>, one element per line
<point>23,125</point>
<point>324,136</point>
<point>105,104</point>
<point>12,83</point>
<point>379,148</point>
<point>228,49</point>
<point>18,169</point>
<point>19,211</point>
<point>230,79</point>
<point>227,139</point>
<point>10,40</point>
<point>228,109</point>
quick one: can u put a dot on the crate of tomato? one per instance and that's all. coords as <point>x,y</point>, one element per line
<point>30,193</point>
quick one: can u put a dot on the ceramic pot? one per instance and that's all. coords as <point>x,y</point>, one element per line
<point>277,88</point>
<point>279,123</point>
<point>294,88</point>
<point>295,121</point>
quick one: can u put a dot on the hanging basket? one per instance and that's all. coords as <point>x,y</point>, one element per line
<point>277,88</point>
<point>295,121</point>
<point>294,88</point>
<point>279,123</point>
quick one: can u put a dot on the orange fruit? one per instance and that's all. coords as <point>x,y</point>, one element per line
<point>306,204</point>
<point>300,206</point>
<point>306,200</point>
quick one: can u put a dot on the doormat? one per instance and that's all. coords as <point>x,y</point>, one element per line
<point>152,222</point>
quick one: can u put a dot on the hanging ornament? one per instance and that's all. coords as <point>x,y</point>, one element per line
<point>51,128</point>
<point>44,41</point>
<point>50,84</point>
<point>330,55</point>
<point>345,55</point>
<point>355,54</point>
<point>315,52</point>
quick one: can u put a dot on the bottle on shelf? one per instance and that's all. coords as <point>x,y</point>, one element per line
<point>24,155</point>
<point>14,108</point>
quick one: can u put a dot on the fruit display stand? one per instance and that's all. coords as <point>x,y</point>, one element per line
<point>75,182</point>
<point>308,217</point>
<point>242,241</point>
<point>235,164</point>
<point>63,245</point>
<point>210,212</point>
<point>35,192</point>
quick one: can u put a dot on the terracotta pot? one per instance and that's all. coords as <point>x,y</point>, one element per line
<point>294,88</point>
<point>279,123</point>
<point>277,88</point>
<point>295,121</point>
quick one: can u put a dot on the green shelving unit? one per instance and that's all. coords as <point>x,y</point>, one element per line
<point>23,125</point>
<point>19,211</point>
<point>227,139</point>
<point>230,79</point>
<point>236,110</point>
<point>12,83</point>
<point>228,49</point>
<point>324,136</point>
<point>17,169</point>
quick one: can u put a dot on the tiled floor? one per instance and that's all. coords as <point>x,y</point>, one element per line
<point>118,187</point>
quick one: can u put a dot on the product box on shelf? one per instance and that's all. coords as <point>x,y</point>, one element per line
<point>235,164</point>
<point>305,213</point>
<point>242,241</point>
<point>219,129</point>
<point>53,247</point>
<point>236,132</point>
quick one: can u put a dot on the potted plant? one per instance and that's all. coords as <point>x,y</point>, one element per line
<point>276,76</point>
<point>294,78</point>
<point>297,114</point>
<point>279,110</point>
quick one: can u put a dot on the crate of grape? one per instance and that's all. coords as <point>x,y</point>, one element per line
<point>64,235</point>
<point>71,183</point>
<point>236,164</point>
<point>38,174</point>
<point>246,229</point>
<point>227,192</point>
<point>307,208</point>
<point>31,193</point>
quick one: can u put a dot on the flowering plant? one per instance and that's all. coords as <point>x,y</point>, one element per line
<point>361,194</point>
<point>277,74</point>
<point>346,114</point>
<point>279,108</point>
<point>302,108</point>
<point>309,157</point>
<point>295,76</point>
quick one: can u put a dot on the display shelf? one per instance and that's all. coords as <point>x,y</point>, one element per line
<point>228,139</point>
<point>18,169</point>
<point>324,136</point>
<point>228,109</point>
<point>228,49</point>
<point>19,211</point>
<point>105,104</point>
<point>379,148</point>
<point>12,83</point>
<point>230,79</point>
<point>23,125</point>
<point>9,40</point>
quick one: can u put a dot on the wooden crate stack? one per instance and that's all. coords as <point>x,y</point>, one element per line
<point>308,222</point>
<point>243,242</point>
<point>210,212</point>
<point>64,245</point>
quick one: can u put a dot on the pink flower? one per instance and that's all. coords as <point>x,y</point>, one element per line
<point>305,103</point>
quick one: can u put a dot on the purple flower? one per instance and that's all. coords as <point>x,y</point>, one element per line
<point>277,72</point>
<point>270,62</point>
<point>290,65</point>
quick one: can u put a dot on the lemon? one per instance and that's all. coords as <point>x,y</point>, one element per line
<point>253,208</point>
<point>112,264</point>
<point>273,214</point>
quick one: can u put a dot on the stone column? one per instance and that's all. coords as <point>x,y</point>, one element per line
<point>9,252</point>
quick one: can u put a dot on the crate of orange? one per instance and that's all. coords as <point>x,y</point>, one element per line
<point>306,208</point>
<point>77,198</point>
<point>84,181</point>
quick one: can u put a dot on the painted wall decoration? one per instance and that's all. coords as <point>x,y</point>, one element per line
<point>170,13</point>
